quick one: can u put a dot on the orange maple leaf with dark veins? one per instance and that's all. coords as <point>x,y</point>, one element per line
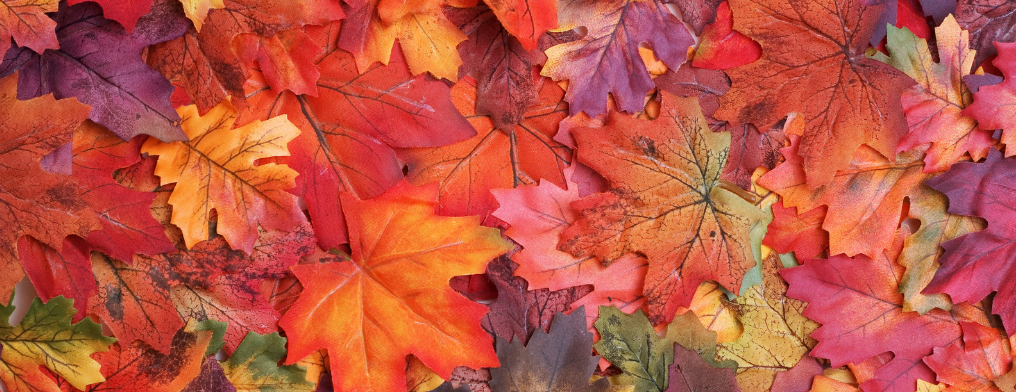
<point>813,63</point>
<point>32,201</point>
<point>393,299</point>
<point>667,202</point>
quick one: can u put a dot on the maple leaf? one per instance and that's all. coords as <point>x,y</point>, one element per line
<point>392,298</point>
<point>425,35</point>
<point>134,301</point>
<point>254,366</point>
<point>706,84</point>
<point>53,273</point>
<point>690,373</point>
<point>127,223</point>
<point>197,10</point>
<point>983,257</point>
<point>921,251</point>
<point>349,129</point>
<point>606,60</point>
<point>46,338</point>
<point>934,105</point>
<point>858,303</point>
<point>218,163</point>
<point>973,365</point>
<point>228,301</point>
<point>776,334</point>
<point>519,312</point>
<point>100,64</point>
<point>751,149</point>
<point>799,233</point>
<point>854,228</point>
<point>538,214</point>
<point>666,202</point>
<point>619,285</point>
<point>204,63</point>
<point>989,21</point>
<point>211,379</point>
<point>721,47</point>
<point>992,104</point>
<point>698,13</point>
<point>36,203</point>
<point>139,367</point>
<point>630,343</point>
<point>501,65</point>
<point>526,20</point>
<point>556,361</point>
<point>27,23</point>
<point>813,63</point>
<point>493,159</point>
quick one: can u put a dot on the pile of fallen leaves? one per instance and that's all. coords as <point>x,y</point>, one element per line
<point>517,196</point>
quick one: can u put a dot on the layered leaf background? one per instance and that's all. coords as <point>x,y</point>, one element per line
<point>507,196</point>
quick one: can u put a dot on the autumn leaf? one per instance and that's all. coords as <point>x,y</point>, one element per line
<point>211,379</point>
<point>126,13</point>
<point>989,21</point>
<point>934,105</point>
<point>858,303</point>
<point>127,223</point>
<point>36,203</point>
<point>666,202</point>
<point>526,20</point>
<point>219,163</point>
<point>801,233</point>
<point>197,10</point>
<point>100,64</point>
<point>134,301</point>
<point>609,51</point>
<point>206,66</point>
<point>698,13</point>
<point>230,302</point>
<point>27,23</point>
<point>921,251</point>
<point>630,343</point>
<point>776,334</point>
<point>983,356</point>
<point>619,285</point>
<point>690,373</point>
<point>493,159</point>
<point>518,311</point>
<point>556,361</point>
<point>978,263</point>
<point>286,60</point>
<point>392,298</point>
<point>501,65</point>
<point>750,149</point>
<point>46,338</point>
<point>813,63</point>
<point>66,272</point>
<point>139,367</point>
<point>992,106</point>
<point>254,366</point>
<point>854,228</point>
<point>349,129</point>
<point>425,35</point>
<point>722,47</point>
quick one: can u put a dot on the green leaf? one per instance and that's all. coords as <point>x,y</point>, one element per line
<point>254,366</point>
<point>218,329</point>
<point>630,343</point>
<point>46,337</point>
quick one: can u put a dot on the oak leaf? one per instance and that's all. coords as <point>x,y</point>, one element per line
<point>493,159</point>
<point>667,202</point>
<point>813,63</point>
<point>858,303</point>
<point>607,60</point>
<point>992,106</point>
<point>349,129</point>
<point>253,367</point>
<point>100,64</point>
<point>934,105</point>
<point>216,170</point>
<point>558,360</point>
<point>975,264</point>
<point>46,338</point>
<point>854,228</point>
<point>27,23</point>
<point>974,364</point>
<point>36,203</point>
<point>392,298</point>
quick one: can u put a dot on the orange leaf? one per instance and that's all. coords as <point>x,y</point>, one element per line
<point>667,202</point>
<point>27,23</point>
<point>813,63</point>
<point>972,366</point>
<point>392,299</point>
<point>216,170</point>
